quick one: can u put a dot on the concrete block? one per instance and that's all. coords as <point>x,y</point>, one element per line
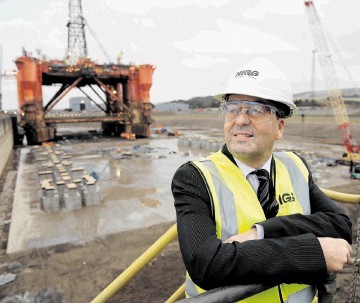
<point>61,190</point>
<point>50,165</point>
<point>57,176</point>
<point>46,175</point>
<point>41,163</point>
<point>67,179</point>
<point>55,159</point>
<point>67,165</point>
<point>92,195</point>
<point>77,172</point>
<point>80,188</point>
<point>59,154</point>
<point>62,170</point>
<point>50,200</point>
<point>72,197</point>
<point>48,183</point>
<point>78,184</point>
<point>89,180</point>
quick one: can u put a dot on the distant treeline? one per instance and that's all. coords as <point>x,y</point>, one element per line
<point>325,102</point>
<point>211,102</point>
<point>307,103</point>
<point>200,102</point>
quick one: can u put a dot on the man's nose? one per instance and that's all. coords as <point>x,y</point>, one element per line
<point>242,118</point>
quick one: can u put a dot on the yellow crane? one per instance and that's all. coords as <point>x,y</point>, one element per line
<point>331,81</point>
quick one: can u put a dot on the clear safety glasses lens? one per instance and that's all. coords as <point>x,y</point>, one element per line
<point>254,111</point>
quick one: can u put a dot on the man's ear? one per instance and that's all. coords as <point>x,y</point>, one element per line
<point>280,130</point>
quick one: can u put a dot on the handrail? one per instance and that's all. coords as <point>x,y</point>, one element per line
<point>227,294</point>
<point>135,267</point>
<point>341,197</point>
<point>177,294</point>
<point>165,239</point>
<point>237,293</point>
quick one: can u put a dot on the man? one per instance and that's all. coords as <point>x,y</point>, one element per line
<point>247,215</point>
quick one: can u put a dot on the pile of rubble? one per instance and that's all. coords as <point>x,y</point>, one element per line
<point>206,144</point>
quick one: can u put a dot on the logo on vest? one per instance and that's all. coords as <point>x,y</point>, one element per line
<point>247,73</point>
<point>286,198</point>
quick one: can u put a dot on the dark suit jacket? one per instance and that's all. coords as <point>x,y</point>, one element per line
<point>289,252</point>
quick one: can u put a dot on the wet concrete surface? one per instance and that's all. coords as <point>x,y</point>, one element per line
<point>134,179</point>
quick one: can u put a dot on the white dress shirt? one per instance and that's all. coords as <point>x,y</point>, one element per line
<point>254,182</point>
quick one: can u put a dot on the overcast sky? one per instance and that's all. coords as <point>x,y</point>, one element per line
<point>195,44</point>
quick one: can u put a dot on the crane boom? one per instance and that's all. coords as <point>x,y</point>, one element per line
<point>331,80</point>
<point>0,77</point>
<point>97,41</point>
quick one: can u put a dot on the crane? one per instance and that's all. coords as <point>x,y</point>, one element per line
<point>97,41</point>
<point>331,81</point>
<point>313,76</point>
<point>0,77</point>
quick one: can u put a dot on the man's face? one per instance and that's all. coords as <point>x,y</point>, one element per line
<point>252,140</point>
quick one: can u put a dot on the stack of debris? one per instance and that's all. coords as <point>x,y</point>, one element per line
<point>63,186</point>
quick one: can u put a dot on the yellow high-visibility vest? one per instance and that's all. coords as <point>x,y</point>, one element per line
<point>237,209</point>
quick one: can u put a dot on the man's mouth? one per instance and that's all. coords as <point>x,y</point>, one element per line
<point>243,134</point>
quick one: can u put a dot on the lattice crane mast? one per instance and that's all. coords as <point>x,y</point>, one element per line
<point>331,81</point>
<point>313,76</point>
<point>0,77</point>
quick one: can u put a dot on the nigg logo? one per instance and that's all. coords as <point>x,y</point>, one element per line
<point>286,198</point>
<point>247,73</point>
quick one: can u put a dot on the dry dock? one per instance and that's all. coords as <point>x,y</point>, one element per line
<point>133,184</point>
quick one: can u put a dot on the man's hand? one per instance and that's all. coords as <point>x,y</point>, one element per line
<point>337,253</point>
<point>248,235</point>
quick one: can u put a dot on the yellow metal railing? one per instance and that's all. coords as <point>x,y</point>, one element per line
<point>164,240</point>
<point>341,197</point>
<point>136,266</point>
<point>177,294</point>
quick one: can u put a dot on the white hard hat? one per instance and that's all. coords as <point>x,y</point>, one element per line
<point>263,79</point>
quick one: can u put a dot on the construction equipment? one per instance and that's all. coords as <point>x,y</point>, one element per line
<point>336,99</point>
<point>355,174</point>
<point>123,90</point>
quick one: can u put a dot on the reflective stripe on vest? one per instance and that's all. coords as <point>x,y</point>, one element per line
<point>237,208</point>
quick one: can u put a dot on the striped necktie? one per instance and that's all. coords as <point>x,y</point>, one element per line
<point>270,207</point>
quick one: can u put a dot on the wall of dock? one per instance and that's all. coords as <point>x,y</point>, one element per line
<point>6,140</point>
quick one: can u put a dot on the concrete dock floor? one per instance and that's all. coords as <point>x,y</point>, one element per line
<point>135,193</point>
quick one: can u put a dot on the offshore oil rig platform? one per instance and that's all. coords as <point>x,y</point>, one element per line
<point>122,91</point>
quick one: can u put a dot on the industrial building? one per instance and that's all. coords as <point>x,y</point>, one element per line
<point>78,104</point>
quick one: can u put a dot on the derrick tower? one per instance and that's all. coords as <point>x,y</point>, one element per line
<point>76,31</point>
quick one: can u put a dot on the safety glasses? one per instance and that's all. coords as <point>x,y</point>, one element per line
<point>254,111</point>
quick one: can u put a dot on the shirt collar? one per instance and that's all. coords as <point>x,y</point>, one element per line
<point>246,169</point>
